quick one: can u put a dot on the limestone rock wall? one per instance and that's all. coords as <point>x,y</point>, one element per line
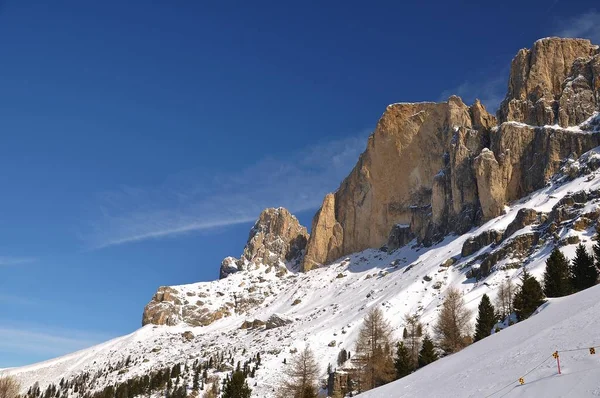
<point>445,167</point>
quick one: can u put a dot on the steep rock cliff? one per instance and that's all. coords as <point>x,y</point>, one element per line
<point>445,167</point>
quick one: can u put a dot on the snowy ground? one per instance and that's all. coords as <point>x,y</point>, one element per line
<point>493,366</point>
<point>333,302</point>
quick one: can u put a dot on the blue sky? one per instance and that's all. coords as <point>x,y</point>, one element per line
<point>139,142</point>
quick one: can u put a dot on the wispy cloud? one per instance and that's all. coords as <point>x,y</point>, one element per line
<point>490,91</point>
<point>194,200</point>
<point>40,343</point>
<point>7,299</point>
<point>7,260</point>
<point>586,25</point>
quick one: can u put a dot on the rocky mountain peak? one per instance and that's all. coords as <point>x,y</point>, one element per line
<point>276,239</point>
<point>547,86</point>
<point>431,169</point>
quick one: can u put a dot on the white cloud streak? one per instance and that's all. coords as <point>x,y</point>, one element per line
<point>45,342</point>
<point>586,25</point>
<point>7,260</point>
<point>195,201</point>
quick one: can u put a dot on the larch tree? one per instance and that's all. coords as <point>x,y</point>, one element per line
<point>302,374</point>
<point>373,351</point>
<point>9,387</point>
<point>505,297</point>
<point>413,332</point>
<point>557,279</point>
<point>486,318</point>
<point>453,329</point>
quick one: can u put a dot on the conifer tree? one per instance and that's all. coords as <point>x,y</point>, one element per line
<point>403,362</point>
<point>486,318</point>
<point>453,329</point>
<point>529,296</point>
<point>413,332</point>
<point>583,270</point>
<point>373,353</point>
<point>301,376</point>
<point>427,353</point>
<point>557,280</point>
<point>237,387</point>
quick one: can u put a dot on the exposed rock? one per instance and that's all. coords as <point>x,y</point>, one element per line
<point>164,307</point>
<point>410,145</point>
<point>400,235</point>
<point>187,335</point>
<point>569,240</point>
<point>490,184</point>
<point>276,239</point>
<point>276,321</point>
<point>474,244</point>
<point>582,223</point>
<point>326,239</point>
<point>539,79</point>
<point>517,247</point>
<point>255,324</point>
<point>523,218</point>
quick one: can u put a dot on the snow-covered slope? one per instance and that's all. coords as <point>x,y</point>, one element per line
<point>493,366</point>
<point>327,305</point>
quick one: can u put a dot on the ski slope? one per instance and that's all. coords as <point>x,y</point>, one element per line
<point>492,367</point>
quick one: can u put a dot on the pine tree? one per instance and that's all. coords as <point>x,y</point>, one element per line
<point>427,353</point>
<point>486,318</point>
<point>342,357</point>
<point>529,296</point>
<point>557,281</point>
<point>403,362</point>
<point>237,387</point>
<point>583,270</point>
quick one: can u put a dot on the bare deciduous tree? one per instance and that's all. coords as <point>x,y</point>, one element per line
<point>504,300</point>
<point>413,332</point>
<point>453,328</point>
<point>9,387</point>
<point>374,352</point>
<point>301,376</point>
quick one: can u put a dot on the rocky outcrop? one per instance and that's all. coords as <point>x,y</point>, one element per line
<point>276,239</point>
<point>554,82</point>
<point>164,308</point>
<point>475,243</point>
<point>277,321</point>
<point>400,235</point>
<point>412,143</point>
<point>445,167</point>
<point>326,236</point>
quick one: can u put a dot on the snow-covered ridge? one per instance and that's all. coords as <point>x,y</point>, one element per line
<point>327,305</point>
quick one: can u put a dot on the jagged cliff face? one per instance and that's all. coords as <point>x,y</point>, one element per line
<point>401,173</point>
<point>442,168</point>
<point>276,241</point>
<point>557,81</point>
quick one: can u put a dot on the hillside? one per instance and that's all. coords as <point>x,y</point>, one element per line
<point>333,300</point>
<point>493,366</point>
<point>445,195</point>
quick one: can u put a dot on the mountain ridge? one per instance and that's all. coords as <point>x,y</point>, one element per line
<point>442,197</point>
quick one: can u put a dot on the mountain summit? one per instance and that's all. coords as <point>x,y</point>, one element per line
<point>445,196</point>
